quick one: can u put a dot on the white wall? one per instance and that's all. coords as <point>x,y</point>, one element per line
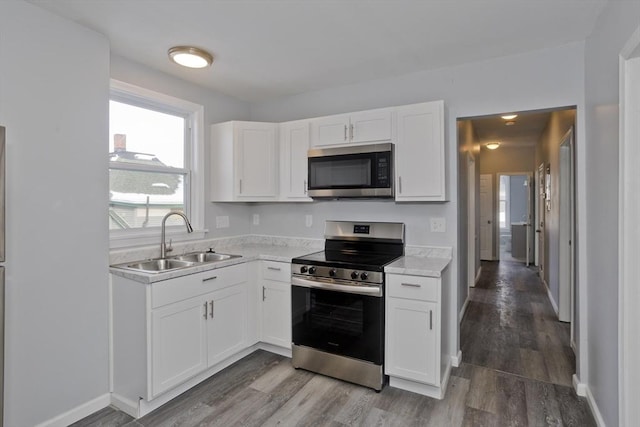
<point>613,29</point>
<point>54,80</point>
<point>217,108</point>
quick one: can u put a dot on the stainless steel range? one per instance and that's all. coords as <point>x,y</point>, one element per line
<point>338,301</point>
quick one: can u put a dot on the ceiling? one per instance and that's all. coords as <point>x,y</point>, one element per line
<point>266,49</point>
<point>526,130</point>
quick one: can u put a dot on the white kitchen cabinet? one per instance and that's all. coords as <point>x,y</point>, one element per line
<point>168,332</point>
<point>294,143</point>
<point>276,304</point>
<point>413,331</point>
<point>244,161</point>
<point>420,153</point>
<point>358,127</point>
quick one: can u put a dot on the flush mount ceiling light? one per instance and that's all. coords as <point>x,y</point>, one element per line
<point>509,116</point>
<point>191,57</point>
<point>492,145</point>
<point>509,123</point>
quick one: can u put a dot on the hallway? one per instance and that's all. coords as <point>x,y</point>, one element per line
<point>512,341</point>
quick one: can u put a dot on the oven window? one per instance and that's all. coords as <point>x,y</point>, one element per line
<point>338,322</point>
<point>342,171</point>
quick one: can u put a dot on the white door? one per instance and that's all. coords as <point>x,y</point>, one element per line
<point>486,217</point>
<point>178,336</point>
<point>370,126</point>
<point>227,324</point>
<point>257,162</point>
<point>330,130</point>
<point>276,313</point>
<point>411,340</point>
<point>294,137</point>
<point>566,253</point>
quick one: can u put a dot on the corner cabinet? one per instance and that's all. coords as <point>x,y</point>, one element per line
<point>294,144</point>
<point>413,348</point>
<point>420,153</point>
<point>244,162</point>
<point>174,331</point>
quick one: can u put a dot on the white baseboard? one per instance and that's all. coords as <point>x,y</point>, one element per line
<point>553,302</point>
<point>420,388</point>
<point>457,359</point>
<point>580,388</point>
<point>127,406</point>
<point>478,276</point>
<point>583,390</point>
<point>78,413</point>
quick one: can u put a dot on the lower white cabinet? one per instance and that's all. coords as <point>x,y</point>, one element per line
<point>276,303</point>
<point>413,329</point>
<point>166,333</point>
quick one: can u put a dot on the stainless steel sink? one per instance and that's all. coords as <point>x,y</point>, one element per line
<point>204,257</point>
<point>160,265</point>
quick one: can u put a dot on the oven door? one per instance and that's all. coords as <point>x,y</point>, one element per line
<point>343,323</point>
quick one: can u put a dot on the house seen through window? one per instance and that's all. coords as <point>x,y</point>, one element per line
<point>148,166</point>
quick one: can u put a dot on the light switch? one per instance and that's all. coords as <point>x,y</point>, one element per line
<point>308,220</point>
<point>256,219</point>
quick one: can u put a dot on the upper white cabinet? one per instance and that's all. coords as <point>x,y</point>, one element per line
<point>294,143</point>
<point>420,153</point>
<point>244,161</point>
<point>363,126</point>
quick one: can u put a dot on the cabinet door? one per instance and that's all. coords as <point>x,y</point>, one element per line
<point>294,139</point>
<point>330,130</point>
<point>412,346</point>
<point>256,160</point>
<point>276,313</point>
<point>178,336</point>
<point>227,324</point>
<point>420,160</point>
<point>370,126</point>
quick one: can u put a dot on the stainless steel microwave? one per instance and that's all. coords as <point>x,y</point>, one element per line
<point>359,171</point>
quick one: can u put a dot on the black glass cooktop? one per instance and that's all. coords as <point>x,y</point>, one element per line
<point>350,260</point>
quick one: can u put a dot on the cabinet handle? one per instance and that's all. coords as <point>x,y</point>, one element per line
<point>305,186</point>
<point>430,319</point>
<point>209,278</point>
<point>263,293</point>
<point>211,308</point>
<point>205,310</point>
<point>240,186</point>
<point>345,132</point>
<point>274,268</point>
<point>413,285</point>
<point>351,132</point>
<point>399,185</point>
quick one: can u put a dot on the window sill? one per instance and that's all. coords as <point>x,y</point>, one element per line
<point>152,237</point>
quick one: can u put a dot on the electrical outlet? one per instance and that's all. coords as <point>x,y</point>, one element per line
<point>256,219</point>
<point>308,220</point>
<point>438,225</point>
<point>222,221</point>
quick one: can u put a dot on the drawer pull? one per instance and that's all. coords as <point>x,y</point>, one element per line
<point>274,268</point>
<point>205,310</point>
<point>412,285</point>
<point>430,319</point>
<point>211,305</point>
<point>209,278</point>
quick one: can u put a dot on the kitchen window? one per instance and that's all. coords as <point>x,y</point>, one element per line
<point>155,165</point>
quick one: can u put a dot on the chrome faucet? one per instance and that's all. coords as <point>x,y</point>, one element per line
<point>163,244</point>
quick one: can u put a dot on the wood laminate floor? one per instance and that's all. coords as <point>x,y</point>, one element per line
<point>516,371</point>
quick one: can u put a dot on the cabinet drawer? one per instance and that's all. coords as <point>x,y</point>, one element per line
<point>279,271</point>
<point>413,287</point>
<point>181,288</point>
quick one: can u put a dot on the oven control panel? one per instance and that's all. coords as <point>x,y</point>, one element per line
<point>323,272</point>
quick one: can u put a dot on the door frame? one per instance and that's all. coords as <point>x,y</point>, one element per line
<point>529,176</point>
<point>471,218</point>
<point>628,233</point>
<point>492,216</point>
<point>566,229</point>
<point>540,218</point>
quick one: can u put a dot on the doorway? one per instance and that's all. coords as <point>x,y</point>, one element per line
<point>514,217</point>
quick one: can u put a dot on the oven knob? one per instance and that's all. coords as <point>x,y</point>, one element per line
<point>303,269</point>
<point>312,270</point>
<point>332,272</point>
<point>354,275</point>
<point>364,275</point>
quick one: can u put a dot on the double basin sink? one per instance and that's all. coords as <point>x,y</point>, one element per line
<point>161,265</point>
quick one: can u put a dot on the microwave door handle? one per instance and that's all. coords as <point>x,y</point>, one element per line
<point>360,290</point>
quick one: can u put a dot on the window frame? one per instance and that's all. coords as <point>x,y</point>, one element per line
<point>193,168</point>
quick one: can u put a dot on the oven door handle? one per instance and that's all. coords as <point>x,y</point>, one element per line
<point>375,291</point>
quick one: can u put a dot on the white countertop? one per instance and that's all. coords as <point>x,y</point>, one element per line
<point>418,266</point>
